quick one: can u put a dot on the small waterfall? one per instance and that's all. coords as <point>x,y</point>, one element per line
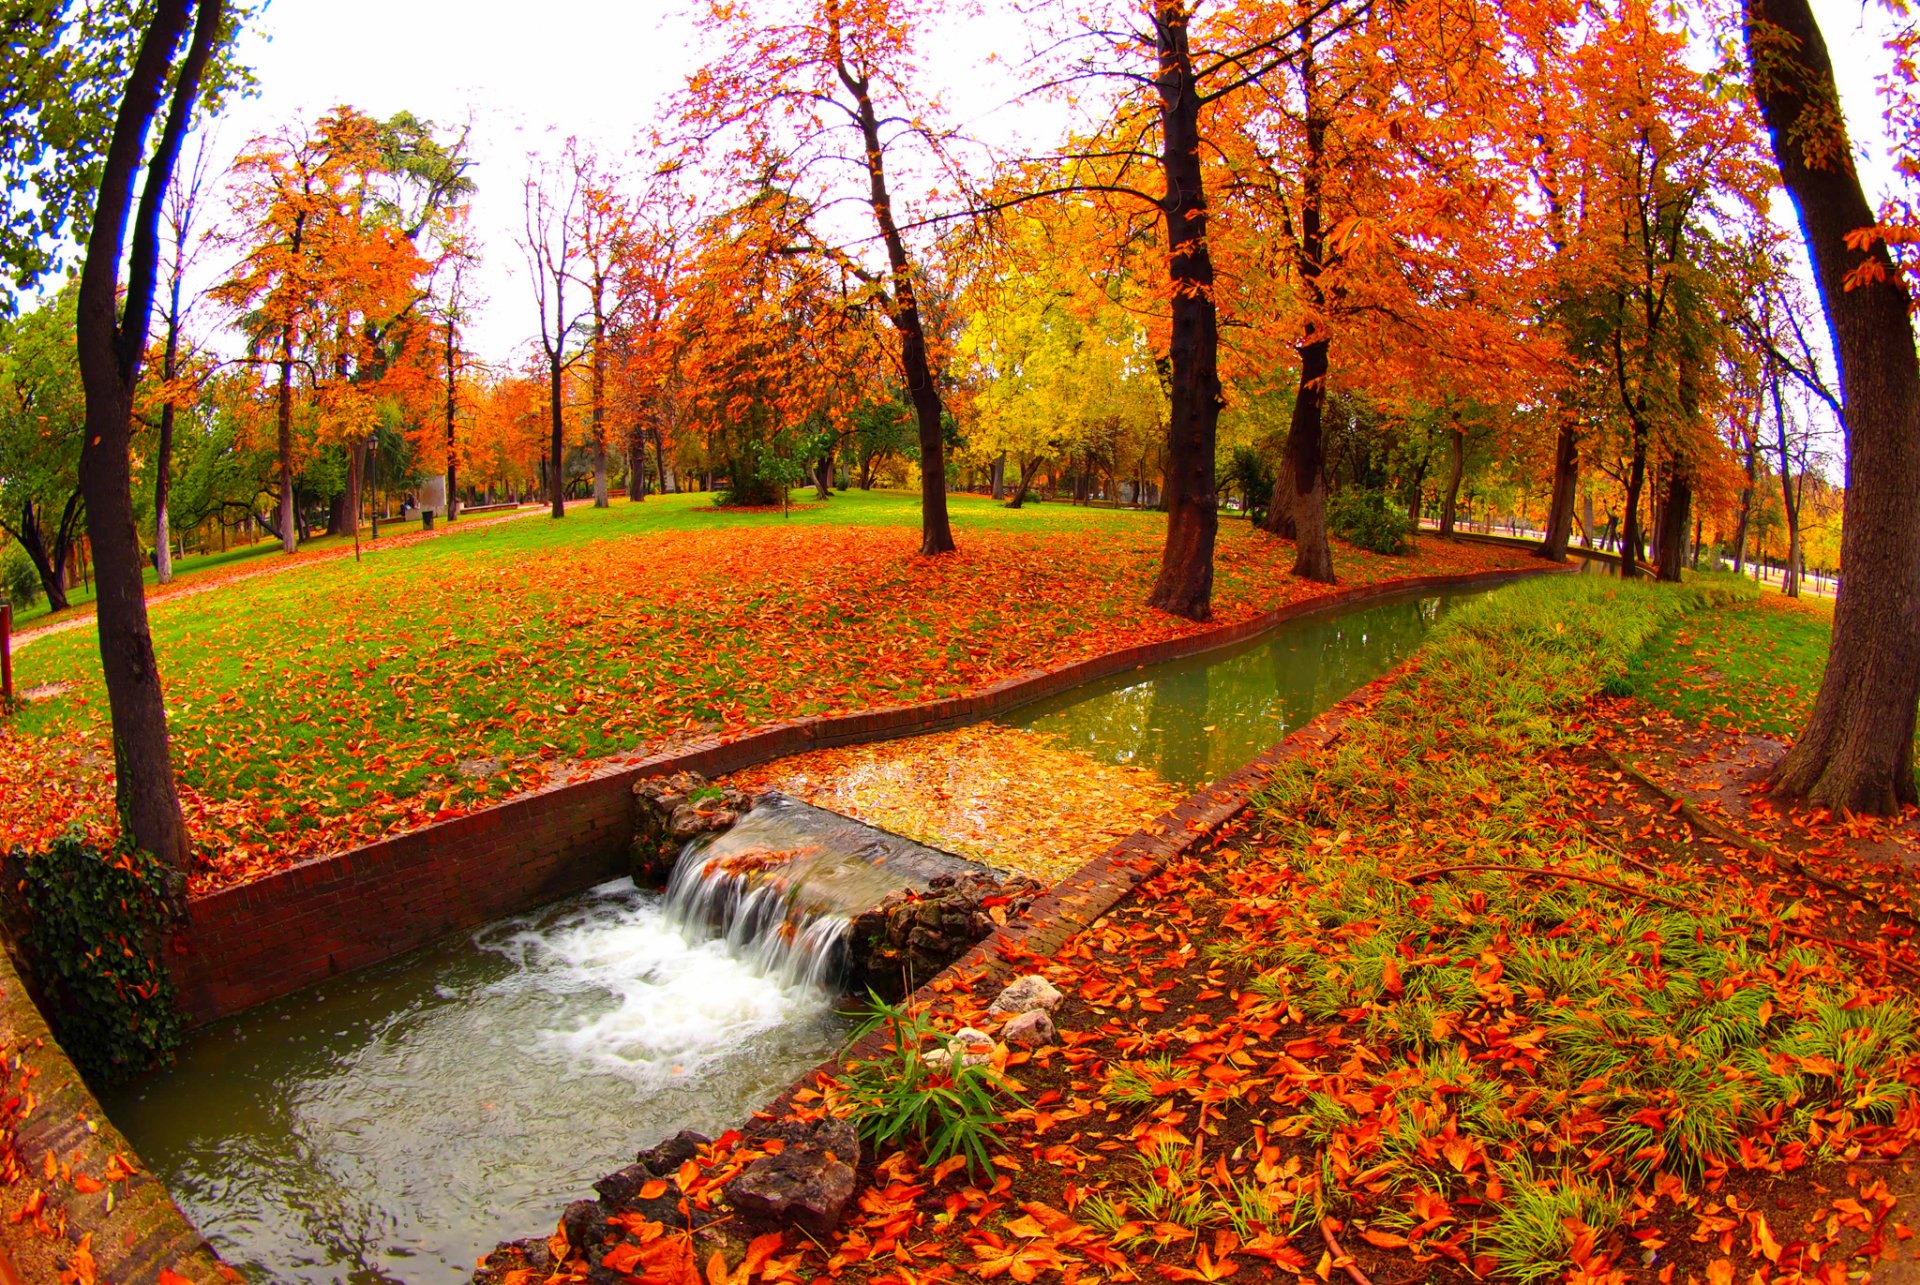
<point>781,889</point>
<point>752,901</point>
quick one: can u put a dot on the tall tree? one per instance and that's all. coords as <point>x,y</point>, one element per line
<point>550,240</point>
<point>112,341</point>
<point>836,79</point>
<point>1856,750</point>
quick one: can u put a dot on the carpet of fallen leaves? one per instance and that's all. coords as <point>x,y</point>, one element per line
<point>1014,799</point>
<point>327,706</point>
<point>1459,999</point>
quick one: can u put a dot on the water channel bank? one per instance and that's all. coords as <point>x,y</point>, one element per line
<point>579,828</point>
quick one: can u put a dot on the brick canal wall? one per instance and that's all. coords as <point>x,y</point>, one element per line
<point>129,1225</point>
<point>246,945</point>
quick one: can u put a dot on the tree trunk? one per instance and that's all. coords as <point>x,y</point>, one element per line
<point>50,564</point>
<point>1676,516</point>
<point>1746,503</point>
<point>936,533</point>
<point>453,405</point>
<point>1000,476</point>
<point>660,458</point>
<point>1185,584</point>
<point>1636,483</point>
<point>1028,472</point>
<point>110,350</point>
<point>1303,473</point>
<point>1566,477</point>
<point>1456,470</point>
<point>163,462</point>
<point>1586,515</point>
<point>1856,751</point>
<point>557,445</point>
<point>823,477</point>
<point>597,410</point>
<point>284,439</point>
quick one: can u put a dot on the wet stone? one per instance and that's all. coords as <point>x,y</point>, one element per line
<point>809,1184</point>
<point>1027,994</point>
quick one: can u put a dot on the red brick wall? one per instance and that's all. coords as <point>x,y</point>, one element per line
<point>246,945</point>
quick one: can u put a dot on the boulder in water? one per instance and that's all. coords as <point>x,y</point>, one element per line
<point>664,1160</point>
<point>669,811</point>
<point>911,936</point>
<point>809,1184</point>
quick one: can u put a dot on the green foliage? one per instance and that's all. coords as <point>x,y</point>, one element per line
<point>1250,474</point>
<point>1367,518</point>
<point>18,580</point>
<point>93,932</point>
<point>898,1099</point>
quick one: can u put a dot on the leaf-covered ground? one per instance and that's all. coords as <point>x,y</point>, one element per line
<point>344,700</point>
<point>1014,799</point>
<point>1456,1000</point>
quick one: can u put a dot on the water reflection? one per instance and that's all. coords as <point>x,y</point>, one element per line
<point>1193,721</point>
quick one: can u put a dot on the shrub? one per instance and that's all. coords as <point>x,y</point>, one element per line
<point>898,1099</point>
<point>1367,518</point>
<point>22,582</point>
<point>1252,476</point>
<point>94,922</point>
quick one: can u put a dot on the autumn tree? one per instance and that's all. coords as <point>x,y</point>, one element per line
<point>326,271</point>
<point>1856,750</point>
<point>834,86</point>
<point>550,240</point>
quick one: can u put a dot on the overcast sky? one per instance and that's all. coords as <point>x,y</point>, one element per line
<point>605,70</point>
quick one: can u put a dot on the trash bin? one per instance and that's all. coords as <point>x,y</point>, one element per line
<point>426,519</point>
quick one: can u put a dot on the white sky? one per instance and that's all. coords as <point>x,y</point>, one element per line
<point>605,69</point>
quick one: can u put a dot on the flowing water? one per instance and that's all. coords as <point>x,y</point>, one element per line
<point>1193,721</point>
<point>396,1123</point>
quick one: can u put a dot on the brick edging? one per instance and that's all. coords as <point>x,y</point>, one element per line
<point>135,1229</point>
<point>257,941</point>
<point>1083,897</point>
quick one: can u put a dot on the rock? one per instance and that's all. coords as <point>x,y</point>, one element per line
<point>938,1059</point>
<point>534,1256</point>
<point>671,810</point>
<point>909,937</point>
<point>1032,1029</point>
<point>585,1224</point>
<point>664,1161</point>
<point>1026,994</point>
<point>622,1187</point>
<point>969,1047</point>
<point>808,1184</point>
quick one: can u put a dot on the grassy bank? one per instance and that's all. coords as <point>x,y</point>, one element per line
<point>1452,1005</point>
<point>341,700</point>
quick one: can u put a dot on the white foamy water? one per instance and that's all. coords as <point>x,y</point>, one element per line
<point>395,1124</point>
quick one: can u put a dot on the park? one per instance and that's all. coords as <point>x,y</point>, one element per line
<point>893,642</point>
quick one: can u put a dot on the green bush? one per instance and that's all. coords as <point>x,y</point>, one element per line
<point>22,582</point>
<point>898,1099</point>
<point>1370,520</point>
<point>1250,474</point>
<point>95,921</point>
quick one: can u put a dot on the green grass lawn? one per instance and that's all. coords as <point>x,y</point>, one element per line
<point>261,553</point>
<point>1753,663</point>
<point>342,699</point>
